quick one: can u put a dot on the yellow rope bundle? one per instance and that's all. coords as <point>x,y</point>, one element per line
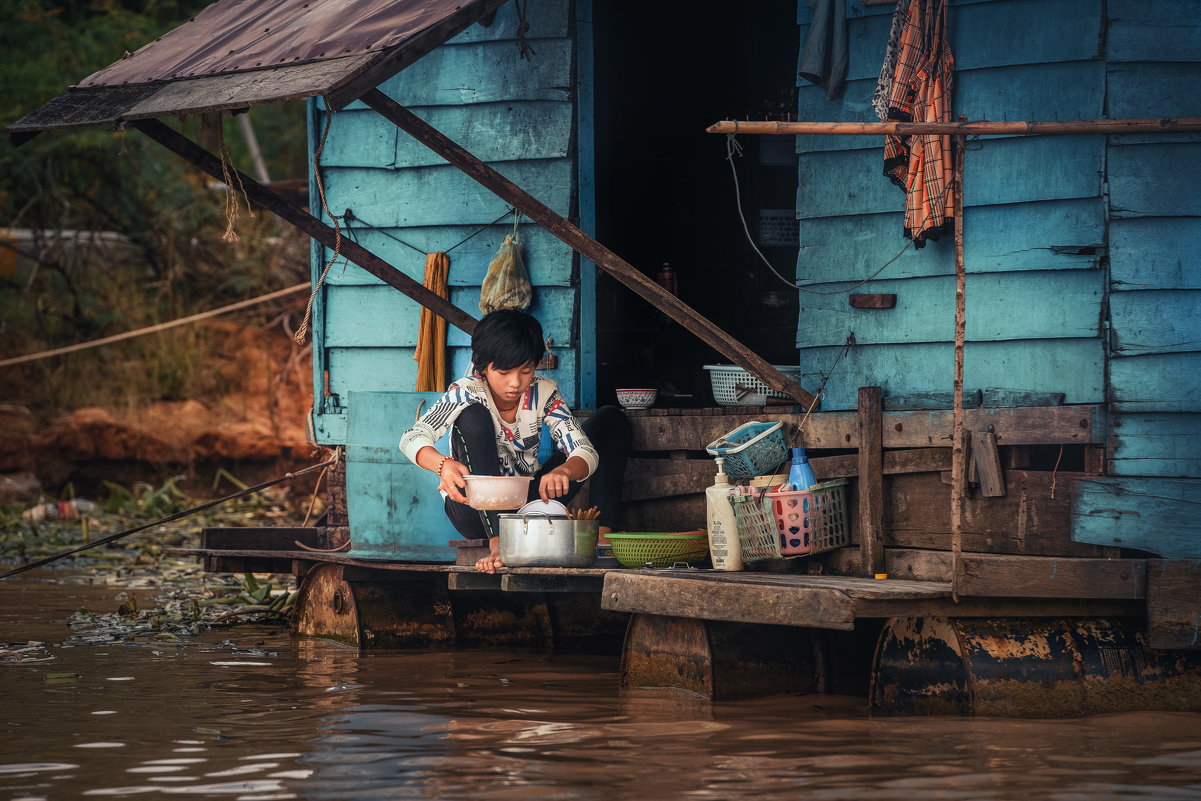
<point>431,335</point>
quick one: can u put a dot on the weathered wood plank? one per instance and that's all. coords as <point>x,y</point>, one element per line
<point>658,594</point>
<point>871,480</point>
<point>1049,235</point>
<point>487,72</point>
<point>906,564</point>
<point>547,19</point>
<point>1050,577</point>
<point>1154,253</point>
<point>1155,321</point>
<point>279,538</point>
<point>495,132</point>
<point>1177,166</point>
<point>395,370</point>
<point>1030,519</point>
<point>1153,90</point>
<point>548,260</point>
<point>1000,306</point>
<point>987,462</point>
<point>1166,445</point>
<point>1168,382</point>
<point>1067,166</point>
<point>1158,515</point>
<point>379,316</point>
<point>441,195</point>
<point>1071,366</point>
<point>1173,604</point>
<point>458,582</point>
<point>416,47</point>
<point>1160,31</point>
<point>925,429</point>
<point>971,399</point>
<point>984,34</point>
<point>663,478</point>
<point>516,582</point>
<point>242,89</point>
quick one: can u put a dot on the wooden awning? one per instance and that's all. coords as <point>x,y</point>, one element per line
<point>235,54</point>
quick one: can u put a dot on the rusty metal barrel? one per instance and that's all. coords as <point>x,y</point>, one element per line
<point>1027,667</point>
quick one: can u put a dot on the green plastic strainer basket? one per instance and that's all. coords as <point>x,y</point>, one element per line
<point>636,549</point>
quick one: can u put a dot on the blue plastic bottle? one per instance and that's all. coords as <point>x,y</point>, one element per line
<point>800,475</point>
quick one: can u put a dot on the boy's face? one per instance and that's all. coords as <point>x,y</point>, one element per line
<point>507,386</point>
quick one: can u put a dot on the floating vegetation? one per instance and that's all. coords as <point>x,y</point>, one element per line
<point>191,602</point>
<point>220,600</point>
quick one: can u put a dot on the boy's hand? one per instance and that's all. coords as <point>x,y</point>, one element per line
<point>554,484</point>
<point>452,482</point>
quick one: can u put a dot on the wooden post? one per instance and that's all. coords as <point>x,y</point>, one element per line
<point>585,245</point>
<point>196,155</point>
<point>958,460</point>
<point>871,481</point>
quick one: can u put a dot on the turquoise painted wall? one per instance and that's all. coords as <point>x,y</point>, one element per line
<point>1034,218</point>
<point>1082,252</point>
<point>516,114</point>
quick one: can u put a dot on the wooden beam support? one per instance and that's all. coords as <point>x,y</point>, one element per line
<point>585,245</point>
<point>963,128</point>
<point>202,159</point>
<point>659,594</point>
<point>1173,603</point>
<point>518,582</point>
<point>985,575</point>
<point>988,464</point>
<point>871,481</point>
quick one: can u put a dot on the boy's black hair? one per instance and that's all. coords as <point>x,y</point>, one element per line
<point>506,339</point>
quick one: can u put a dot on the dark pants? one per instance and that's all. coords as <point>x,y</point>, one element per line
<point>473,442</point>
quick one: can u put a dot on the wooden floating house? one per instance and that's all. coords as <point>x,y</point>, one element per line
<point>1043,501</point>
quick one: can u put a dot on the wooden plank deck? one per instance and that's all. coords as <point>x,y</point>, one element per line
<point>791,599</point>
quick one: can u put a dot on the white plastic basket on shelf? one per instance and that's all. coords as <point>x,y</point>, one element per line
<point>734,386</point>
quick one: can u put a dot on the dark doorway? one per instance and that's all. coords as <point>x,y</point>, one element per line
<point>665,193</point>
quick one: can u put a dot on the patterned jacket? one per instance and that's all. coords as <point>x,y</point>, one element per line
<point>516,443</point>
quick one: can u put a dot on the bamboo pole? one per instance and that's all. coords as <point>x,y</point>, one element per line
<point>978,127</point>
<point>958,457</point>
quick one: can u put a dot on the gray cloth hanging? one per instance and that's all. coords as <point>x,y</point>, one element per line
<point>823,60</point>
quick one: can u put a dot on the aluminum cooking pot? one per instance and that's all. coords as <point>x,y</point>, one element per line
<point>536,539</point>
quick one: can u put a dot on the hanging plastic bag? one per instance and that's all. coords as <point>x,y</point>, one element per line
<point>507,284</point>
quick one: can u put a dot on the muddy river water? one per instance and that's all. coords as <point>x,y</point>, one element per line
<point>248,713</point>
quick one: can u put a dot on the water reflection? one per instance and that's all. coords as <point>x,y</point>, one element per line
<point>249,714</point>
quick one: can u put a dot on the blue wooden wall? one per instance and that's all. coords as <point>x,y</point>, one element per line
<point>1034,218</point>
<point>516,114</point>
<point>1083,252</point>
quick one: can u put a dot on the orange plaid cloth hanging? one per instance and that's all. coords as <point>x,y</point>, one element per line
<point>921,92</point>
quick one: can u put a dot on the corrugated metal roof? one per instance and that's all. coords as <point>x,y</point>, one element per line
<point>239,53</point>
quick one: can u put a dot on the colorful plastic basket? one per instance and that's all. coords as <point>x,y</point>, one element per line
<point>764,522</point>
<point>640,549</point>
<point>734,386</point>
<point>752,449</point>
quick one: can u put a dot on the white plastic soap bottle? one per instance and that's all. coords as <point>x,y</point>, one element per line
<point>724,547</point>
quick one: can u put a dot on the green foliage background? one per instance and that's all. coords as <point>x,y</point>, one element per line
<point>103,180</point>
